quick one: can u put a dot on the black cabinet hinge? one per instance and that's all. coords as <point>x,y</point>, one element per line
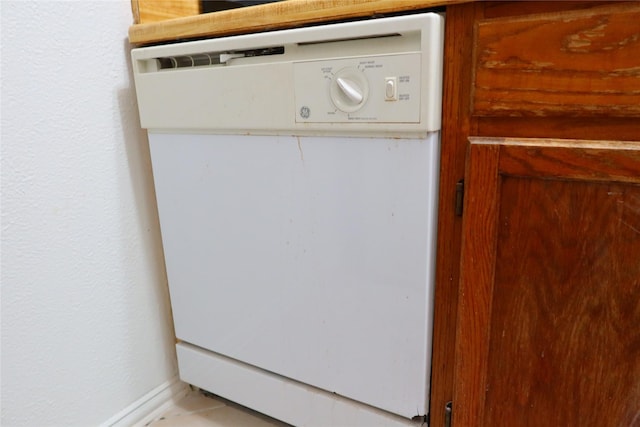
<point>459,197</point>
<point>448,409</point>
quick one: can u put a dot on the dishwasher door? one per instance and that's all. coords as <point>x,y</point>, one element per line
<point>309,257</point>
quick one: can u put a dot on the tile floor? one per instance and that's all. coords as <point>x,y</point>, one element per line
<point>197,409</point>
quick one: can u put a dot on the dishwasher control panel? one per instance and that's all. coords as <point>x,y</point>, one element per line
<point>371,89</point>
<point>378,77</point>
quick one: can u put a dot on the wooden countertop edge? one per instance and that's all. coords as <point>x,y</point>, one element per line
<point>271,16</point>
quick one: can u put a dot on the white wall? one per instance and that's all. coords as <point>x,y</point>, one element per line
<point>85,318</point>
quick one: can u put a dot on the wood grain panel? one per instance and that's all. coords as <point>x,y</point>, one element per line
<point>575,63</point>
<point>285,14</point>
<point>479,231</point>
<point>565,159</point>
<point>497,9</point>
<point>565,342</point>
<point>550,277</point>
<point>619,128</point>
<point>455,129</point>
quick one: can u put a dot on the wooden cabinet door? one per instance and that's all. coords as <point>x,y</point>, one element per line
<point>548,332</point>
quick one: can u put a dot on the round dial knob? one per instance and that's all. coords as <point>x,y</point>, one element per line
<point>349,90</point>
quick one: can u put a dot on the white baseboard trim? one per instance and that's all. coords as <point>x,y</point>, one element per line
<point>149,406</point>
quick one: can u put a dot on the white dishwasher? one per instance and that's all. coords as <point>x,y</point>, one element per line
<point>296,175</point>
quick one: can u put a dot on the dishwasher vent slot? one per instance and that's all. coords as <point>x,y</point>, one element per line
<point>207,59</point>
<point>339,40</point>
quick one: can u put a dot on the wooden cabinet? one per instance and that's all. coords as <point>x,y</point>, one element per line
<point>538,283</point>
<point>549,308</point>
